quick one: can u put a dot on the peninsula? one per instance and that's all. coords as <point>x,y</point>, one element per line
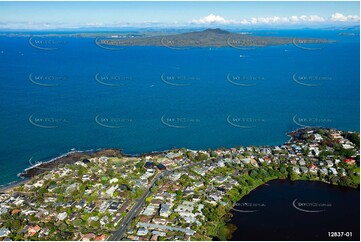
<point>178,194</point>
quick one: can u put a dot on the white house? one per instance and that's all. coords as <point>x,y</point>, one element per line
<point>142,231</point>
<point>4,232</point>
<point>62,216</point>
<point>165,210</point>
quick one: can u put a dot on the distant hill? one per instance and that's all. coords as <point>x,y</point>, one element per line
<point>215,31</point>
<point>207,38</point>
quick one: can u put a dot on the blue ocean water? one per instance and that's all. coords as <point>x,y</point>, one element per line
<point>81,96</point>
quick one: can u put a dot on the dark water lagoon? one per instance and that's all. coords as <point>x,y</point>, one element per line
<point>302,210</point>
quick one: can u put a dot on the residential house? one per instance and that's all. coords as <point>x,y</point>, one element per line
<point>142,231</point>
<point>333,171</point>
<point>32,230</point>
<point>350,161</point>
<point>62,216</point>
<point>296,170</point>
<point>165,210</point>
<point>304,169</point>
<point>329,163</point>
<point>4,232</point>
<point>114,206</point>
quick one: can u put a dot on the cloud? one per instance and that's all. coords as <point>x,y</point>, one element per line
<point>211,19</point>
<point>269,20</point>
<point>306,18</point>
<point>302,19</point>
<point>343,18</point>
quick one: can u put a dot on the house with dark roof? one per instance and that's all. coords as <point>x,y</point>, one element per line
<point>149,164</point>
<point>85,161</point>
<point>114,206</point>
<point>161,167</point>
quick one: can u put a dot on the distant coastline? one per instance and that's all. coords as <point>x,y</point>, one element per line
<point>208,38</point>
<point>174,40</point>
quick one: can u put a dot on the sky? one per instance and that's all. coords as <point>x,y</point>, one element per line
<point>52,15</point>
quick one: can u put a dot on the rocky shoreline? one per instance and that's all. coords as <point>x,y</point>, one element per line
<point>295,135</point>
<point>68,158</point>
<point>74,156</point>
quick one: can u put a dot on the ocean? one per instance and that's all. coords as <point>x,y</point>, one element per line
<point>73,94</point>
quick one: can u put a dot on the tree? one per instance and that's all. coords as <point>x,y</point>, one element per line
<point>137,193</point>
<point>225,231</point>
<point>250,183</point>
<point>173,216</point>
<point>354,138</point>
<point>213,154</point>
<point>283,172</point>
<point>78,223</point>
<point>16,225</point>
<point>190,155</point>
<point>254,174</point>
<point>179,194</point>
<point>140,164</point>
<point>234,195</point>
<point>201,156</point>
<point>263,174</point>
<point>345,181</point>
<point>220,211</point>
<point>148,199</point>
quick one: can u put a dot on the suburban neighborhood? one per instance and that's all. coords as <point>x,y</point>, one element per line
<point>179,194</point>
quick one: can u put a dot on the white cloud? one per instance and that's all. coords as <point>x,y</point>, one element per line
<point>343,18</point>
<point>269,20</point>
<point>217,19</point>
<point>212,19</point>
<point>306,18</point>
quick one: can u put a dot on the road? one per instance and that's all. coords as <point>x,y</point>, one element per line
<point>118,234</point>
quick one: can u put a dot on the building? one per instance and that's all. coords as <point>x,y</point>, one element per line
<point>62,216</point>
<point>304,169</point>
<point>333,171</point>
<point>113,207</point>
<point>142,231</point>
<point>149,164</point>
<point>165,210</point>
<point>161,167</point>
<point>4,232</point>
<point>32,230</point>
<point>296,170</point>
<point>329,163</point>
<point>350,161</point>
<point>323,171</point>
<point>318,138</point>
<point>111,190</point>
